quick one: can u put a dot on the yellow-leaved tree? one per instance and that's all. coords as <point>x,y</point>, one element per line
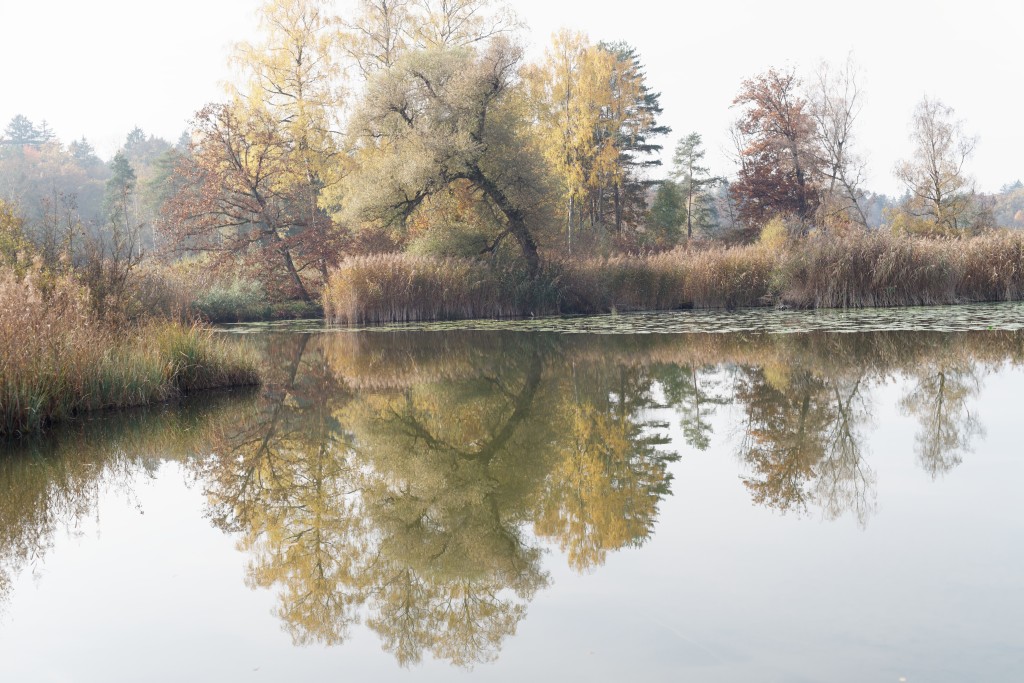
<point>595,117</point>
<point>257,188</point>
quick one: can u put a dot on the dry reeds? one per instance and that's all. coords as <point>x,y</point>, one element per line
<point>865,270</point>
<point>403,287</point>
<point>58,359</point>
<point>861,269</point>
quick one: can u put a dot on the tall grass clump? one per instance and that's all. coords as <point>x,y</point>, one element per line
<point>623,283</point>
<point>878,269</point>
<point>869,269</point>
<point>58,358</point>
<point>730,277</point>
<point>992,269</point>
<point>388,288</point>
<point>719,277</point>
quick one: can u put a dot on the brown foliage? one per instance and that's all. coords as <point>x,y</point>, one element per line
<point>243,203</point>
<point>776,136</point>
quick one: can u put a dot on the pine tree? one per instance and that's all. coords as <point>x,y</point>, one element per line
<point>695,183</point>
<point>635,141</point>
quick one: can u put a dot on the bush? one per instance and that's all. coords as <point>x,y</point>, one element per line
<point>237,300</point>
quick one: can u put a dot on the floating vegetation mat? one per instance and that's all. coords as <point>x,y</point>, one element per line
<point>960,318</point>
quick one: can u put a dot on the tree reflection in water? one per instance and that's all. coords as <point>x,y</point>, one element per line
<point>803,441</point>
<point>52,483</point>
<point>413,500</point>
<point>412,481</point>
<point>939,400</point>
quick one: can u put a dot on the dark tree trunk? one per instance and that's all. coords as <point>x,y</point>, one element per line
<point>516,220</point>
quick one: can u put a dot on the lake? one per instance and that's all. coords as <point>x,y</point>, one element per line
<point>759,496</point>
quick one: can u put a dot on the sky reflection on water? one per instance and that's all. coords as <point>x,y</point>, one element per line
<point>717,507</point>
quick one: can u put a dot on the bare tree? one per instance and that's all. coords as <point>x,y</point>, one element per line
<point>377,35</point>
<point>382,30</point>
<point>940,190</point>
<point>836,99</point>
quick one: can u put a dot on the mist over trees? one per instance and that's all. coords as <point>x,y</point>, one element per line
<point>422,127</point>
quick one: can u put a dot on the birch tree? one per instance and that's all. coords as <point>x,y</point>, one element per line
<point>940,190</point>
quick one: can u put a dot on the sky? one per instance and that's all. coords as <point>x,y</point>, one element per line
<point>98,68</point>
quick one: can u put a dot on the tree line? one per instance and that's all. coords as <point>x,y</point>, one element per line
<point>420,126</point>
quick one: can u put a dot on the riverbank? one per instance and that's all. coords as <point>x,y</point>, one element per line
<point>58,359</point>
<point>854,271</point>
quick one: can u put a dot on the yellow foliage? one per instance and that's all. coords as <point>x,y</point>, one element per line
<point>15,250</point>
<point>583,97</point>
<point>777,375</point>
<point>293,78</point>
<point>775,234</point>
<point>902,222</point>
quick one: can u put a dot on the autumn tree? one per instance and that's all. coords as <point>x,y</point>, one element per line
<point>564,95</point>
<point>597,124</point>
<point>461,23</point>
<point>295,74</point>
<point>443,117</point>
<point>776,145</point>
<point>255,187</point>
<point>238,204</point>
<point>941,193</point>
<point>381,31</point>
<point>377,34</point>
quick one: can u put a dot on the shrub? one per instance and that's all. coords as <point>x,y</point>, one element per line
<point>232,301</point>
<point>774,235</point>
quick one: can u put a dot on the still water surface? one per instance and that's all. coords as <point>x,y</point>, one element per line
<point>502,505</point>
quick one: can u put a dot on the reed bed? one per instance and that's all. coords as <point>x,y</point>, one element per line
<point>862,269</point>
<point>389,288</point>
<point>57,359</point>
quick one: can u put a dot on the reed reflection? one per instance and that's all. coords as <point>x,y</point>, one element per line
<point>49,485</point>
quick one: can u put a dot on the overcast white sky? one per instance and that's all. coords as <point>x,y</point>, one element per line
<point>99,67</point>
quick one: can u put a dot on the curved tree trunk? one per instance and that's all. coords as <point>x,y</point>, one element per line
<point>516,220</point>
